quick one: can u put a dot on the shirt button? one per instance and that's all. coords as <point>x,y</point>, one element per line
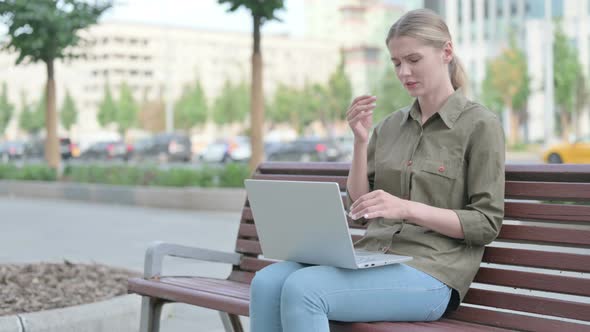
<point>441,169</point>
<point>410,163</point>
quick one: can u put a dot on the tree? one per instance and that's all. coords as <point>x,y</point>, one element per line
<point>567,74</point>
<point>191,108</point>
<point>6,109</point>
<point>68,112</point>
<point>107,110</point>
<point>232,104</point>
<point>391,96</point>
<point>32,119</point>
<point>288,106</point>
<point>127,110</point>
<point>339,95</point>
<point>262,11</point>
<point>46,31</point>
<point>507,80</point>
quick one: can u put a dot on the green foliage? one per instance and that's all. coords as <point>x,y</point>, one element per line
<point>339,94</point>
<point>391,96</point>
<point>191,108</point>
<point>28,172</point>
<point>265,10</point>
<point>68,113</point>
<point>127,109</point>
<point>507,79</point>
<point>46,30</point>
<point>566,71</point>
<point>233,175</point>
<point>233,104</point>
<point>32,119</point>
<point>6,109</point>
<point>107,110</point>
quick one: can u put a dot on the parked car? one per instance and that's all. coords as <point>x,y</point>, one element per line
<point>227,149</point>
<point>308,149</point>
<point>109,150</point>
<point>576,152</point>
<point>35,149</point>
<point>12,150</point>
<point>163,147</point>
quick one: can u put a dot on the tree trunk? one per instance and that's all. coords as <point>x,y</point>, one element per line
<point>52,154</point>
<point>565,128</point>
<point>514,127</point>
<point>257,101</point>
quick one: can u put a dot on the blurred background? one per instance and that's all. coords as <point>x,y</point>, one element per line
<point>168,82</point>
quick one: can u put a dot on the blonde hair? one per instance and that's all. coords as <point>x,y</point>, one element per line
<point>428,27</point>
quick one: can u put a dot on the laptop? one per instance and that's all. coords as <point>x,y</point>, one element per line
<point>306,222</point>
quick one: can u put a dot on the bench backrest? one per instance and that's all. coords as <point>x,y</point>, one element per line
<point>539,264</point>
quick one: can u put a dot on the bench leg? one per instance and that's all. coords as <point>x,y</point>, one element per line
<point>231,322</point>
<point>151,310</point>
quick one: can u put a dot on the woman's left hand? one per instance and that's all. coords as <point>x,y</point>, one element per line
<point>379,204</point>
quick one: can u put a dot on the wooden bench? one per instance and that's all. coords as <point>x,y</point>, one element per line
<point>533,278</point>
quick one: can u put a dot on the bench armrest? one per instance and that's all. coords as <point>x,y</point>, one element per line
<point>156,252</point>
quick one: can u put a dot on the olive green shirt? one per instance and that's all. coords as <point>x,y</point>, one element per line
<point>454,161</point>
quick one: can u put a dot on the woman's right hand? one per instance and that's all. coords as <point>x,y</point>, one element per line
<point>360,117</point>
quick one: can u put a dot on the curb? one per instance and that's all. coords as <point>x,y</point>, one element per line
<point>213,199</point>
<point>119,314</point>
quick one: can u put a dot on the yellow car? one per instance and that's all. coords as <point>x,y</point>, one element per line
<point>577,152</point>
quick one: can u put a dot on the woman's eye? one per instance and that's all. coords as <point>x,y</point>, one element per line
<point>397,64</point>
<point>414,60</point>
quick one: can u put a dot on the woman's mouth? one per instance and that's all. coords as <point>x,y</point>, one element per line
<point>411,85</point>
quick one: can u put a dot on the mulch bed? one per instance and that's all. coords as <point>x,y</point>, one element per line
<point>42,286</point>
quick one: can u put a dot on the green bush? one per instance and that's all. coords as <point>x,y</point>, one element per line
<point>231,175</point>
<point>27,172</point>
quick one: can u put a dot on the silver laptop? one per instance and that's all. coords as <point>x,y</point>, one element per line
<point>306,222</point>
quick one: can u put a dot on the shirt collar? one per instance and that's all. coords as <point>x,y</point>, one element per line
<point>449,112</point>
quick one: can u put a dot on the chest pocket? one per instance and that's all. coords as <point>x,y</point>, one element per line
<point>446,168</point>
<point>438,182</point>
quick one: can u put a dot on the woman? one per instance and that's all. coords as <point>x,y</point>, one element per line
<point>430,180</point>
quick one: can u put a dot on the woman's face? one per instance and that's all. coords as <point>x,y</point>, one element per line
<point>420,68</point>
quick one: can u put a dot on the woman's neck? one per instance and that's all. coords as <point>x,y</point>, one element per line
<point>431,103</point>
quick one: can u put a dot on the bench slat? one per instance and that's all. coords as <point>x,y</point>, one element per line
<point>550,235</point>
<point>514,321</point>
<point>536,258</point>
<point>252,264</point>
<point>309,168</point>
<point>443,325</point>
<point>566,191</point>
<point>536,281</point>
<point>200,297</point>
<point>248,247</point>
<point>528,303</point>
<point>341,180</point>
<point>547,212</point>
<point>548,173</point>
<point>241,276</point>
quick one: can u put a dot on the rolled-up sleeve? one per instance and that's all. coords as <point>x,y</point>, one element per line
<point>481,218</point>
<point>370,173</point>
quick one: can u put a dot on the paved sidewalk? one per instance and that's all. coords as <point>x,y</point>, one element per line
<point>36,230</point>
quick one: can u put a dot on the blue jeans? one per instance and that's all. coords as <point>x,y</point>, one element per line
<point>289,296</point>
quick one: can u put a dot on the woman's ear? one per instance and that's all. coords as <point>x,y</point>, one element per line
<point>448,52</point>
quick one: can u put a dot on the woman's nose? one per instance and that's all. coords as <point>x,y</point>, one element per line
<point>404,69</point>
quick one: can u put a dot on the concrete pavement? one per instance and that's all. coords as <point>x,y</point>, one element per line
<point>35,230</point>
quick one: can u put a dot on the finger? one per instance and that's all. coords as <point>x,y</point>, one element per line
<point>360,117</point>
<point>359,109</point>
<point>365,101</point>
<point>359,98</point>
<point>373,215</point>
<point>356,209</point>
<point>367,212</point>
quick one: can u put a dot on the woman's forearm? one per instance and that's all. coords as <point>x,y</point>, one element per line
<point>442,221</point>
<point>357,183</point>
